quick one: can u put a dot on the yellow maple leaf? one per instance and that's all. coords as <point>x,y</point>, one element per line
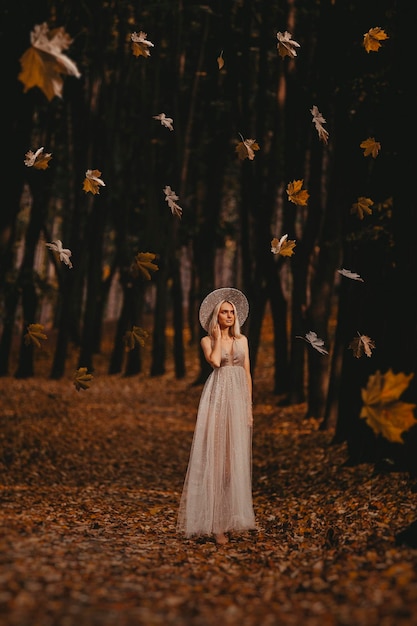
<point>372,38</point>
<point>44,64</point>
<point>143,265</point>
<point>296,194</point>
<point>245,149</point>
<point>34,335</point>
<point>220,60</point>
<point>82,378</point>
<point>370,147</point>
<point>92,182</point>
<point>42,162</point>
<point>134,337</point>
<point>382,410</point>
<point>362,206</point>
<point>141,45</point>
<point>38,159</point>
<point>283,246</point>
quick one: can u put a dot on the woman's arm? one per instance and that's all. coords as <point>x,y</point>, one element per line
<point>212,349</point>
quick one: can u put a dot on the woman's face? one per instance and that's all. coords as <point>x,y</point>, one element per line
<point>226,317</point>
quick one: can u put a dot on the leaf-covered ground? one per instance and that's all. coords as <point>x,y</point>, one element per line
<point>90,484</point>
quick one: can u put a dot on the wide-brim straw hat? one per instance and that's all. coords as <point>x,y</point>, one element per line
<point>228,294</point>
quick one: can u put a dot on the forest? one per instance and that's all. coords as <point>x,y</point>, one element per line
<point>157,150</point>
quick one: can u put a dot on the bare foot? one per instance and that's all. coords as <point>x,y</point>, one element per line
<point>221,539</point>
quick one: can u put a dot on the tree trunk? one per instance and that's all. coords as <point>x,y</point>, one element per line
<point>27,277</point>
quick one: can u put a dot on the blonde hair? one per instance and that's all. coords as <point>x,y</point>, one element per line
<point>234,330</point>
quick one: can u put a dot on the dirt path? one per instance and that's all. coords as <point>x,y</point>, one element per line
<point>90,483</point>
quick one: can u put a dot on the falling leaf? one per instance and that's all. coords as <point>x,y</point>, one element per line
<point>361,345</point>
<point>44,64</point>
<point>246,149</point>
<point>381,409</point>
<point>140,45</point>
<point>296,194</point>
<point>318,121</point>
<point>350,274</point>
<point>362,206</point>
<point>286,45</point>
<point>143,264</point>
<point>63,253</point>
<point>283,246</point>
<point>82,378</point>
<point>34,335</point>
<point>370,147</point>
<point>134,337</point>
<point>220,60</point>
<point>316,342</point>
<point>92,182</point>
<point>372,38</point>
<point>171,197</point>
<point>165,121</point>
<point>39,160</point>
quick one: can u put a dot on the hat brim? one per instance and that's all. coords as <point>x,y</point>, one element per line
<point>228,294</point>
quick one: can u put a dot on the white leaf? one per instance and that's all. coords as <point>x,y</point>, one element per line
<point>316,342</point>
<point>165,121</point>
<point>32,156</point>
<point>90,176</point>
<point>285,39</point>
<point>171,197</point>
<point>318,121</point>
<point>41,39</point>
<point>350,274</point>
<point>63,253</point>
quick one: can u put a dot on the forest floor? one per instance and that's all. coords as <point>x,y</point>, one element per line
<point>90,482</point>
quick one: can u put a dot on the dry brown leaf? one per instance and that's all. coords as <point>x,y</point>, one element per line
<point>296,194</point>
<point>82,379</point>
<point>382,410</point>
<point>372,39</point>
<point>143,265</point>
<point>245,149</point>
<point>35,335</point>
<point>44,64</point>
<point>370,147</point>
<point>135,337</point>
<point>362,345</point>
<point>362,206</point>
<point>283,246</point>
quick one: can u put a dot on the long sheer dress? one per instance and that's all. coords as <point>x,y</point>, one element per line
<point>217,492</point>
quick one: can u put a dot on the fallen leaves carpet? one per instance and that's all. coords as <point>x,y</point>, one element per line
<point>90,483</point>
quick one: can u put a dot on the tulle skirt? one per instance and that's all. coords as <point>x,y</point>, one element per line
<point>217,492</point>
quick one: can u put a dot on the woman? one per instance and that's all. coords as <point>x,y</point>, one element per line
<point>217,493</point>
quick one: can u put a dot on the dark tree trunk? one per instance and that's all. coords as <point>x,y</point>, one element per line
<point>93,287</point>
<point>118,352</point>
<point>11,300</point>
<point>27,278</point>
<point>178,321</point>
<point>159,330</point>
